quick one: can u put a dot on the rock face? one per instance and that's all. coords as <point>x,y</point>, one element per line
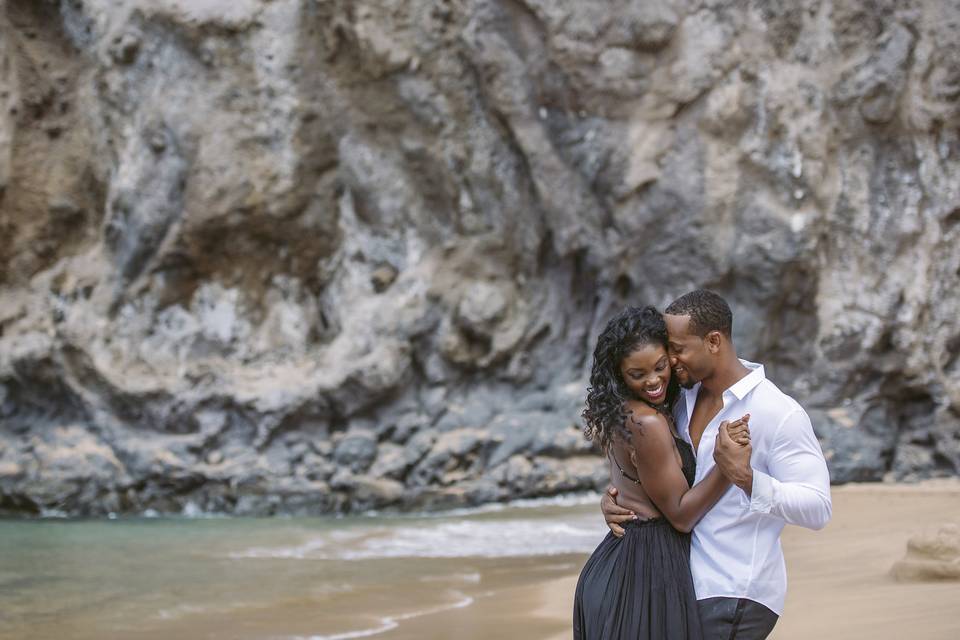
<point>299,256</point>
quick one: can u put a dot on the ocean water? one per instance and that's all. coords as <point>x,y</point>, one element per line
<point>278,578</point>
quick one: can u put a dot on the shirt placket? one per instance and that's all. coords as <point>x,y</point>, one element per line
<point>705,460</point>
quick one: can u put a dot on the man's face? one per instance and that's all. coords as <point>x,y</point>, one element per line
<point>688,352</point>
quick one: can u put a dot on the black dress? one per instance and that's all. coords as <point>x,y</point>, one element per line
<point>639,586</point>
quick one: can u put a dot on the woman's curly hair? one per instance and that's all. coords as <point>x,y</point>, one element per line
<point>607,394</point>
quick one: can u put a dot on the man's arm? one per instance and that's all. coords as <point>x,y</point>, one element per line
<point>797,487</point>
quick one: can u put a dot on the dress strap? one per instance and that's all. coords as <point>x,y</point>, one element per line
<point>613,457</point>
<point>659,409</point>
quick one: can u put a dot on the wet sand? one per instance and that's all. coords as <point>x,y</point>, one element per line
<point>840,582</point>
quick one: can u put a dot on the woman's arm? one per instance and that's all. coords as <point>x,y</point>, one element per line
<point>663,479</point>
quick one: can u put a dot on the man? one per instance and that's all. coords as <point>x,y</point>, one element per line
<point>736,559</point>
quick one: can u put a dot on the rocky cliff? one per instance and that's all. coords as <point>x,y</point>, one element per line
<point>305,256</point>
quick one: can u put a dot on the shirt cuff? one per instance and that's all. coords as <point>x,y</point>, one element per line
<point>760,499</point>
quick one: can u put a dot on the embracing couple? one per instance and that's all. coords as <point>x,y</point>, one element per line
<point>708,461</point>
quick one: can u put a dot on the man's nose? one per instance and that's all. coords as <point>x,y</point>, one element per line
<point>673,361</point>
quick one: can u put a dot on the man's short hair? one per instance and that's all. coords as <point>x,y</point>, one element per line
<point>707,310</point>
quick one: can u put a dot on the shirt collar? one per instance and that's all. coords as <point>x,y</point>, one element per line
<point>740,388</point>
<point>746,384</point>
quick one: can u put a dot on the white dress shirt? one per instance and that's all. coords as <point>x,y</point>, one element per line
<point>735,549</point>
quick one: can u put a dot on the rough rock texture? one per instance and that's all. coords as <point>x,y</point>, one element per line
<point>299,256</point>
<point>931,556</point>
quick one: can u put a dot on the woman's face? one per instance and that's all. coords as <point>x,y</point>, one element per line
<point>646,372</point>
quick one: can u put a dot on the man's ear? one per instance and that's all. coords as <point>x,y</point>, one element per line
<point>713,339</point>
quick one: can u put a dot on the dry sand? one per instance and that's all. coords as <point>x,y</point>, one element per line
<point>840,582</point>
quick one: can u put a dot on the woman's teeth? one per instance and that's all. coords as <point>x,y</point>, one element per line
<point>655,392</point>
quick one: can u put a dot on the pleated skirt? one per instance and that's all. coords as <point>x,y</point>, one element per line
<point>638,587</point>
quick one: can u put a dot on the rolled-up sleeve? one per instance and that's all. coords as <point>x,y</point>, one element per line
<point>797,487</point>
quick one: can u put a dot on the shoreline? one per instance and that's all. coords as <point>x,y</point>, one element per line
<point>560,500</point>
<point>831,594</point>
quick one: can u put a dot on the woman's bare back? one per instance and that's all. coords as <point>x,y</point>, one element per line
<point>630,494</point>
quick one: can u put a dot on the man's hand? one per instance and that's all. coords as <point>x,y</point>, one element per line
<point>614,514</point>
<point>734,459</point>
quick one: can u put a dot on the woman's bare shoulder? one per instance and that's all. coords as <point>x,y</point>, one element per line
<point>642,417</point>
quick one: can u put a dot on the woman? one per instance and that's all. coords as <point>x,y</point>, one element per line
<point>639,586</point>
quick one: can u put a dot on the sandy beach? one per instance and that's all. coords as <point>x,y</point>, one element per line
<point>840,583</point>
<point>503,571</point>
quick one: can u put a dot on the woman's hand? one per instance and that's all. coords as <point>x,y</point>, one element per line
<point>733,456</point>
<point>739,430</point>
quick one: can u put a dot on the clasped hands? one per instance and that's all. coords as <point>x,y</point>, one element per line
<point>732,452</point>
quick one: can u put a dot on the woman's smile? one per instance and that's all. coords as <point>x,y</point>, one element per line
<point>657,393</point>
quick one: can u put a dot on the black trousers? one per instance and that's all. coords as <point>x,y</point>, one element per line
<point>735,619</point>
